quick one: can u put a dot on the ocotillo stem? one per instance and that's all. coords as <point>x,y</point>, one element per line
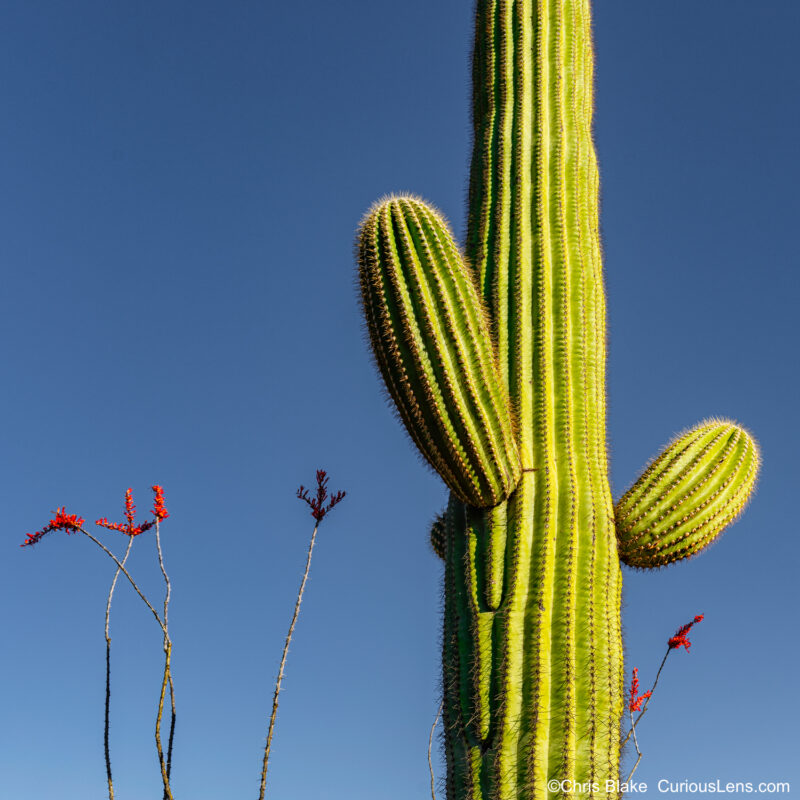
<point>107,720</point>
<point>279,680</point>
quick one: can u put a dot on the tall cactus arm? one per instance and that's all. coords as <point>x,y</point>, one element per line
<point>688,495</point>
<point>432,344</point>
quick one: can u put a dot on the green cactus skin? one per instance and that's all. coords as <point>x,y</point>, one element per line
<point>532,645</point>
<point>688,495</point>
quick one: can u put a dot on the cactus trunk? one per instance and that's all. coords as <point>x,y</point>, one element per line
<point>533,586</point>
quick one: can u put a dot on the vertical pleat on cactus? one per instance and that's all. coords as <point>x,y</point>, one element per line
<point>495,361</point>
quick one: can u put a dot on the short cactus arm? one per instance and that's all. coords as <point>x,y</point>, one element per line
<point>688,495</point>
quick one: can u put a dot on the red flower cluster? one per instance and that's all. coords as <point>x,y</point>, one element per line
<point>61,522</point>
<point>636,701</point>
<point>159,509</point>
<point>72,522</point>
<point>129,529</point>
<point>680,639</point>
<point>317,503</point>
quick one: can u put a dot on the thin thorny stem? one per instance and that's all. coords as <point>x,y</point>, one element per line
<point>171,726</point>
<point>636,744</point>
<point>164,573</point>
<point>167,651</point>
<point>167,680</point>
<point>164,682</point>
<point>279,680</point>
<point>127,575</point>
<point>635,722</point>
<point>430,748</point>
<point>108,673</point>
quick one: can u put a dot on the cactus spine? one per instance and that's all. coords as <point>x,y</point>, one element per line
<point>501,384</point>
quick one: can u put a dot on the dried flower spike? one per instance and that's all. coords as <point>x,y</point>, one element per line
<point>318,510</point>
<point>317,504</point>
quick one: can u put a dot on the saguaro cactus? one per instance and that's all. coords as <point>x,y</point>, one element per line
<point>496,364</point>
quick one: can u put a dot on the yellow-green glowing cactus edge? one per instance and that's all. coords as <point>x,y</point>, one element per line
<point>694,489</point>
<point>432,344</point>
<point>496,363</point>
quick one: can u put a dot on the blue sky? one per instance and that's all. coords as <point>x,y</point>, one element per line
<point>181,185</point>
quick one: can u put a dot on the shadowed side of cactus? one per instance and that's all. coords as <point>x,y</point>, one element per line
<point>438,535</point>
<point>495,362</point>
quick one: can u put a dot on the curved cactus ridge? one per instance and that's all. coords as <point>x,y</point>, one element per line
<point>496,364</point>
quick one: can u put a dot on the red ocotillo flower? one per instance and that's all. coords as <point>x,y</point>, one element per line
<point>159,509</point>
<point>129,529</point>
<point>636,700</point>
<point>317,504</point>
<point>130,508</point>
<point>680,639</point>
<point>61,522</point>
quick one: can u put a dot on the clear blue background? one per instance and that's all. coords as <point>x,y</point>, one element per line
<point>181,183</point>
